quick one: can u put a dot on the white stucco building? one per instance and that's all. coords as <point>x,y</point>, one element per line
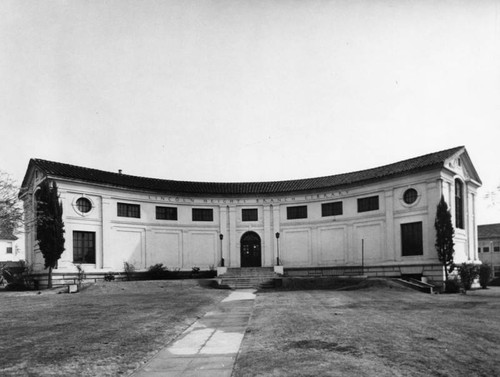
<point>381,219</point>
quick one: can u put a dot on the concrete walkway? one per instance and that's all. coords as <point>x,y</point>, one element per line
<point>209,346</point>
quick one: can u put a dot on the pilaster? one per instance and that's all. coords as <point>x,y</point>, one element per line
<point>389,253</point>
<point>268,237</point>
<point>234,257</point>
<point>106,246</point>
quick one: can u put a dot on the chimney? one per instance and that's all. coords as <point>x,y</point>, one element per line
<point>119,171</point>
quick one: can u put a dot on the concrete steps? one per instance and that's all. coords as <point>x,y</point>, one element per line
<point>248,278</point>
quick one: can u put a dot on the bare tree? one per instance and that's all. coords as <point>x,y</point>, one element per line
<point>11,213</point>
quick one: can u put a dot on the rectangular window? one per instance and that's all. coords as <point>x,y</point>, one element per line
<point>129,210</point>
<point>496,248</point>
<point>203,214</point>
<point>368,204</point>
<point>9,248</point>
<point>411,239</point>
<point>166,213</point>
<point>496,271</point>
<point>331,209</point>
<point>250,214</point>
<point>486,249</point>
<point>298,212</point>
<point>84,247</point>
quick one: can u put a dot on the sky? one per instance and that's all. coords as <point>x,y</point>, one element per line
<point>240,90</point>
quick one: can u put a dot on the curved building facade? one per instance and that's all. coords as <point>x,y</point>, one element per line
<point>381,219</point>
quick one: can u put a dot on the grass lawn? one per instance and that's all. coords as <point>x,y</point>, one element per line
<point>374,331</point>
<point>108,329</point>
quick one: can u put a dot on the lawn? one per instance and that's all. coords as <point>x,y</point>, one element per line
<point>108,329</point>
<point>374,331</point>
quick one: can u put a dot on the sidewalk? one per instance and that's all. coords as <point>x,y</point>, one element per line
<point>209,346</point>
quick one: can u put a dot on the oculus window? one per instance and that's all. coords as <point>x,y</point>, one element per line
<point>368,204</point>
<point>203,214</point>
<point>166,213</point>
<point>250,214</point>
<point>129,210</point>
<point>297,212</point>
<point>410,196</point>
<point>411,239</point>
<point>331,209</point>
<point>83,205</point>
<point>84,247</point>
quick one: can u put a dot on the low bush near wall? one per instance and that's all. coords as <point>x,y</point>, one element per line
<point>468,272</point>
<point>452,286</point>
<point>484,275</point>
<point>18,277</point>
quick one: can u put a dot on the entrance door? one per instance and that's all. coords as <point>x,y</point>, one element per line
<point>250,250</point>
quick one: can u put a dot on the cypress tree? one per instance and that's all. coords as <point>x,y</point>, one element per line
<point>50,226</point>
<point>444,236</point>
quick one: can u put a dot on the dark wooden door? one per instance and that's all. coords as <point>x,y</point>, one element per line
<point>251,250</point>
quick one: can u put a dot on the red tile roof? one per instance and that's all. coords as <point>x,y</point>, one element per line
<point>56,169</point>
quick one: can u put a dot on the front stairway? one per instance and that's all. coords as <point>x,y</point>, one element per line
<point>248,278</point>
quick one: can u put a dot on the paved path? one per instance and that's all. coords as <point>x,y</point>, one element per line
<point>209,346</point>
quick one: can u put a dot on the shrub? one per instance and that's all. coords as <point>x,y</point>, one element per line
<point>129,270</point>
<point>468,272</point>
<point>18,278</point>
<point>109,277</point>
<point>80,276</point>
<point>484,275</point>
<point>452,286</point>
<point>157,272</point>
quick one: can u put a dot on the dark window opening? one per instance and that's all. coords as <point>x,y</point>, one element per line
<point>83,205</point>
<point>166,213</point>
<point>331,209</point>
<point>250,214</point>
<point>410,196</point>
<point>298,212</point>
<point>459,204</point>
<point>368,204</point>
<point>129,210</point>
<point>411,239</point>
<point>203,214</point>
<point>84,247</point>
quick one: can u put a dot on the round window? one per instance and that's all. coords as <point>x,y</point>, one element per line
<point>83,205</point>
<point>410,196</point>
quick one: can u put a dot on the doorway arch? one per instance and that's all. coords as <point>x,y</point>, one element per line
<point>250,250</point>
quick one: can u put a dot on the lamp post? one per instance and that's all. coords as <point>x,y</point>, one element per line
<point>277,249</point>
<point>221,236</point>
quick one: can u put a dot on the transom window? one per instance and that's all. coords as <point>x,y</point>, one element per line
<point>203,214</point>
<point>83,205</point>
<point>84,247</point>
<point>249,214</point>
<point>166,213</point>
<point>129,210</point>
<point>411,239</point>
<point>297,212</point>
<point>410,196</point>
<point>331,209</point>
<point>368,204</point>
